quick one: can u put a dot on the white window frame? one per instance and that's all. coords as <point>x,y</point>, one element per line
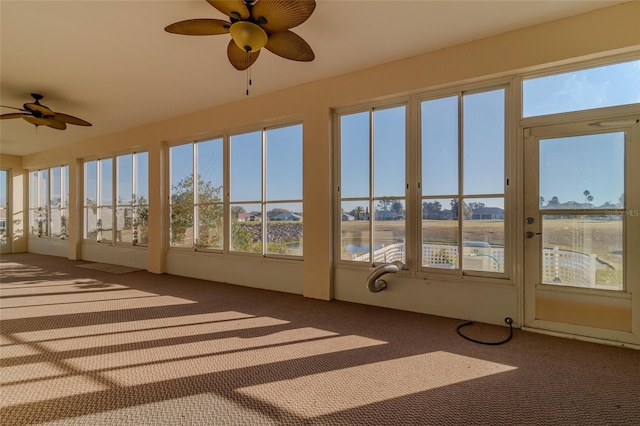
<point>114,194</point>
<point>264,201</point>
<point>48,209</point>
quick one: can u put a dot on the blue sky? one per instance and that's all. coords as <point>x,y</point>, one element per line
<point>3,188</point>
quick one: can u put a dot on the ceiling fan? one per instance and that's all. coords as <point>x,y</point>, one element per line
<point>40,115</point>
<point>255,24</point>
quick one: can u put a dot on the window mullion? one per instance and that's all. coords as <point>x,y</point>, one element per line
<point>98,200</point>
<point>371,188</point>
<point>460,177</point>
<point>196,227</point>
<point>264,192</point>
<point>134,201</point>
<point>114,201</point>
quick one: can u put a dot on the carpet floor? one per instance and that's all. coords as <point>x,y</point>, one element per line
<point>87,347</point>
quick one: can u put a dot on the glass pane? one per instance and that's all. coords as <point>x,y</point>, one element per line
<point>4,198</point>
<point>389,231</point>
<point>181,226</point>
<point>3,188</point>
<point>210,227</point>
<point>246,167</point>
<point>90,183</point>
<point>483,234</point>
<point>284,229</point>
<point>440,146</point>
<point>389,140</point>
<point>439,233</point>
<point>105,225</point>
<point>209,168</point>
<point>583,251</point>
<point>43,182</point>
<point>181,160</point>
<point>33,190</point>
<point>64,223</point>
<point>355,230</point>
<point>56,187</point>
<point>483,138</point>
<point>582,172</point>
<point>124,224</point>
<point>246,228</point>
<point>56,222</point>
<point>354,143</point>
<point>141,226</point>
<point>39,222</point>
<point>65,186</point>
<point>106,182</point>
<point>124,189</point>
<point>604,86</point>
<point>142,178</point>
<point>91,223</point>
<point>284,163</point>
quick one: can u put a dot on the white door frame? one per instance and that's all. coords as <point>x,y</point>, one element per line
<point>627,299</point>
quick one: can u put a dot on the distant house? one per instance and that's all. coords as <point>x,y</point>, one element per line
<point>286,217</point>
<point>488,213</point>
<point>248,217</point>
<point>347,217</point>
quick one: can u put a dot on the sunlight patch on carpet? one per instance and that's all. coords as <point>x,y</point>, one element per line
<point>174,370</point>
<point>344,389</point>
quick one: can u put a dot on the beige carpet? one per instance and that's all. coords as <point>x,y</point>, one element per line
<point>77,348</point>
<point>106,267</point>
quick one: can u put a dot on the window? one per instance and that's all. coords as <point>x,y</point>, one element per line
<point>266,191</point>
<point>49,202</point>
<point>578,90</point>
<point>120,214</point>
<point>460,181</point>
<point>197,209</point>
<point>132,195</point>
<point>463,181</point>
<point>372,185</point>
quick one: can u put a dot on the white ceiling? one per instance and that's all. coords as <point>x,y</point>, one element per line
<point>112,63</point>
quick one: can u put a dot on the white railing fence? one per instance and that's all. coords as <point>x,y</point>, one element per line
<point>558,266</point>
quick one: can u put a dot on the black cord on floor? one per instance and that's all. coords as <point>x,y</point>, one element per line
<point>507,320</point>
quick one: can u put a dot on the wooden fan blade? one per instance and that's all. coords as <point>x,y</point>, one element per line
<point>232,8</point>
<point>11,115</point>
<point>56,124</point>
<point>199,27</point>
<point>38,121</point>
<point>70,119</point>
<point>290,45</point>
<point>240,59</point>
<point>280,15</point>
<point>5,106</point>
<point>38,108</point>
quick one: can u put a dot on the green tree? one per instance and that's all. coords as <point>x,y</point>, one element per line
<point>209,212</point>
<point>553,203</point>
<point>397,207</point>
<point>467,213</point>
<point>235,210</point>
<point>276,211</point>
<point>358,211</point>
<point>431,210</point>
<point>586,194</point>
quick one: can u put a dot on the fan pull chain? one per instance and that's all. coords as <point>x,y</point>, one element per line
<point>248,79</point>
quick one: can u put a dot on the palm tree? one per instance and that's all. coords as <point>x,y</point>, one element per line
<point>586,194</point>
<point>359,210</point>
